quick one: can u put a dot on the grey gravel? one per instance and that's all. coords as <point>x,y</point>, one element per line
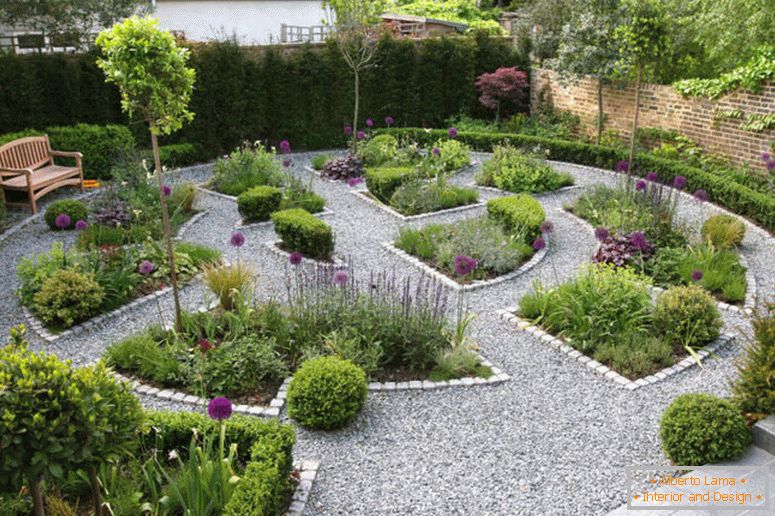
<point>554,439</point>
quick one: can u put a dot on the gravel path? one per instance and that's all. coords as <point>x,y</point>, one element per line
<point>553,440</point>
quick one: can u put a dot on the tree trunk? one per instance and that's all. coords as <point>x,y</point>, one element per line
<point>635,121</point>
<point>95,491</point>
<point>498,113</point>
<point>37,498</point>
<point>600,113</point>
<point>165,220</point>
<point>356,108</point>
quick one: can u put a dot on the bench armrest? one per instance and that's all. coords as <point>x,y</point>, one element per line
<point>66,154</point>
<point>13,172</point>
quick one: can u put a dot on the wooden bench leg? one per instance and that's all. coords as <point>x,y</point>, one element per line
<point>33,204</point>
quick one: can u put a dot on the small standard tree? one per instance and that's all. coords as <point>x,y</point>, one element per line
<point>588,48</point>
<point>642,39</point>
<point>155,82</point>
<point>504,86</point>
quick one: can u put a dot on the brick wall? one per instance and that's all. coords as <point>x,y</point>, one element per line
<point>662,107</point>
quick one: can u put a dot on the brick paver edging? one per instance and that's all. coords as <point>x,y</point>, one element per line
<point>510,315</point>
<point>336,263</point>
<point>749,303</point>
<point>476,285</point>
<point>308,471</point>
<point>364,195</point>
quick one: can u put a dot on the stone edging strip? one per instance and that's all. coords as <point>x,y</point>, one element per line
<point>240,224</point>
<point>190,222</point>
<point>749,304</point>
<point>202,187</point>
<point>338,263</point>
<point>476,285</point>
<point>509,314</point>
<point>308,472</point>
<point>498,376</point>
<point>362,194</point>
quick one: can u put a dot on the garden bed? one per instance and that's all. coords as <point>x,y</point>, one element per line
<point>277,248</point>
<point>368,197</point>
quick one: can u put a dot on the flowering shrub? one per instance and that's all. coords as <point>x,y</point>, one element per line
<point>343,168</point>
<point>512,170</point>
<point>75,210</point>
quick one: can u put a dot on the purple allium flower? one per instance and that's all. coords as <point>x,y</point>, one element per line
<point>622,166</point>
<point>679,182</point>
<point>436,151</point>
<point>369,122</point>
<point>539,243</point>
<point>701,195</point>
<point>237,239</point>
<point>146,267</point>
<point>638,240</point>
<point>287,163</point>
<point>452,132</point>
<point>63,221</point>
<point>361,135</point>
<point>348,130</point>
<point>547,227</point>
<point>285,147</point>
<point>340,278</point>
<point>696,275</point>
<point>602,233</point>
<point>389,120</point>
<point>354,181</point>
<point>771,165</point>
<point>81,225</point>
<point>640,185</point>
<point>166,190</point>
<point>765,156</point>
<point>219,408</point>
<point>652,176</point>
<point>295,258</point>
<point>465,265</point>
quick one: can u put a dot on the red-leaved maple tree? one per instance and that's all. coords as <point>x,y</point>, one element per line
<point>503,86</point>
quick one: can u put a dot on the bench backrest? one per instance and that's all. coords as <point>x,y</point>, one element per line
<point>30,152</point>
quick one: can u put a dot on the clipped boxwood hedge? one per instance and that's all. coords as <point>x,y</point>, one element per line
<point>721,187</point>
<point>517,211</point>
<point>383,182</point>
<point>258,203</point>
<point>180,154</point>
<point>300,231</point>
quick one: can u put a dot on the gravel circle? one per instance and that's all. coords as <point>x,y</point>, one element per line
<point>554,439</point>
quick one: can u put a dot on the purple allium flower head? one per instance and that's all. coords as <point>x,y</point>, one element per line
<point>146,267</point>
<point>340,278</point>
<point>354,181</point>
<point>361,135</point>
<point>539,243</point>
<point>219,408</point>
<point>765,156</point>
<point>348,130</point>
<point>465,265</point>
<point>547,227</point>
<point>436,151</point>
<point>638,240</point>
<point>640,185</point>
<point>81,225</point>
<point>701,195</point>
<point>602,233</point>
<point>389,120</point>
<point>652,176</point>
<point>771,165</point>
<point>63,221</point>
<point>452,132</point>
<point>369,122</point>
<point>166,190</point>
<point>237,239</point>
<point>679,182</point>
<point>696,275</point>
<point>287,163</point>
<point>622,166</point>
<point>295,258</point>
<point>285,147</point>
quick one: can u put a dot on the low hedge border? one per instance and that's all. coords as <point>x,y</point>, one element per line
<point>301,231</point>
<point>722,190</point>
<point>241,224</point>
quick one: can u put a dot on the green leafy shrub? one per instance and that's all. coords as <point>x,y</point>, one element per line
<point>383,182</point>
<point>698,429</point>
<point>687,316</point>
<point>319,162</point>
<point>754,388</point>
<point>243,366</point>
<point>723,231</point>
<point>245,168</point>
<point>512,170</point>
<point>258,203</point>
<point>722,273</point>
<point>453,155</point>
<point>304,233</point>
<point>518,212</point>
<point>379,150</point>
<point>326,393</point>
<point>68,297</point>
<point>416,196</point>
<point>76,210</point>
<point>101,146</point>
<point>180,154</point>
<point>143,355</point>
<point>636,355</point>
<point>297,195</point>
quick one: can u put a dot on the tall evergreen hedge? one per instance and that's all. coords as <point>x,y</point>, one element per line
<point>269,93</point>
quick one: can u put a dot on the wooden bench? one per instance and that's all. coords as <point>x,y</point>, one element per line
<point>27,165</point>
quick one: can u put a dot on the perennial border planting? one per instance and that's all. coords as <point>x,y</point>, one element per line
<point>510,315</point>
<point>363,195</point>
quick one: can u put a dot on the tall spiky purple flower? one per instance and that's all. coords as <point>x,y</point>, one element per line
<point>295,258</point>
<point>166,190</point>
<point>679,182</point>
<point>465,265</point>
<point>219,408</point>
<point>389,120</point>
<point>340,278</point>
<point>640,185</point>
<point>369,122</point>
<point>652,177</point>
<point>237,239</point>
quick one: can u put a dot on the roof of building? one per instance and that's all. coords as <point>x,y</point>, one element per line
<point>461,27</point>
